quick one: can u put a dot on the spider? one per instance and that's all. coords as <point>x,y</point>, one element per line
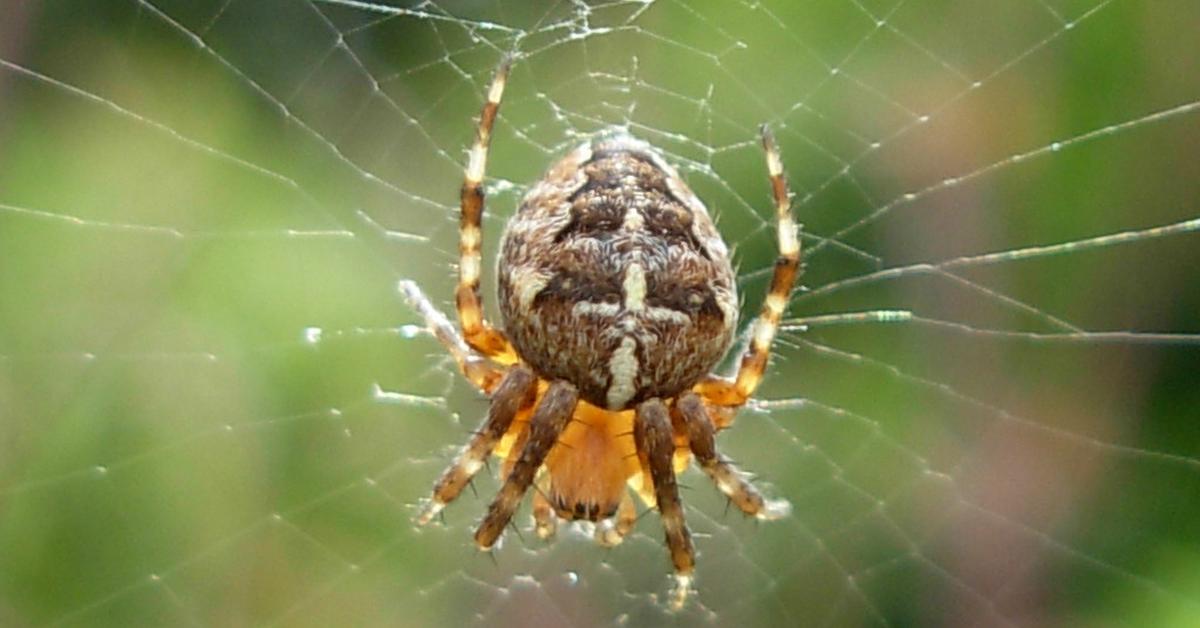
<point>617,298</point>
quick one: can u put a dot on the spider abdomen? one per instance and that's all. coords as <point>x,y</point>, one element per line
<point>613,277</point>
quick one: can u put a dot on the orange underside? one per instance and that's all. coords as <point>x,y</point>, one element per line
<point>595,459</point>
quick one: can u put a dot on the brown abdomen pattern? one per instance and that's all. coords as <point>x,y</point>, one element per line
<point>613,277</point>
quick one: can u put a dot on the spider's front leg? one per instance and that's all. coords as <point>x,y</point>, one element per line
<point>723,392</point>
<point>476,368</point>
<point>550,418</point>
<point>653,437</point>
<point>478,332</point>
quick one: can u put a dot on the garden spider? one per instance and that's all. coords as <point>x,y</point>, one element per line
<point>617,298</point>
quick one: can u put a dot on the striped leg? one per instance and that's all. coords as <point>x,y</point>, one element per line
<point>701,439</point>
<point>478,332</point>
<point>515,391</point>
<point>477,369</point>
<point>654,438</point>
<point>550,418</point>
<point>723,392</point>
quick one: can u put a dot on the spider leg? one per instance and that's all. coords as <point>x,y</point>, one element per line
<point>550,418</point>
<point>701,439</point>
<point>478,369</point>
<point>516,391</point>
<point>478,332</point>
<point>545,520</point>
<point>653,436</point>
<point>612,531</point>
<point>735,392</point>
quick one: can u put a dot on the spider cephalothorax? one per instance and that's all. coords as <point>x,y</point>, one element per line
<point>617,298</point>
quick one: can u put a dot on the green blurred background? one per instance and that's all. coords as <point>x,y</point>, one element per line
<point>216,410</point>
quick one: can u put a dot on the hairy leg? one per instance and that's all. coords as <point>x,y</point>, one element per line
<point>480,371</point>
<point>653,435</point>
<point>476,329</point>
<point>551,416</point>
<point>515,391</point>
<point>735,392</point>
<point>701,439</point>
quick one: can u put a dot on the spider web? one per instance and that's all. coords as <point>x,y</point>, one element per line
<point>218,410</point>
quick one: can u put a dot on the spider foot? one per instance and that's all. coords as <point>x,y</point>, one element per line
<point>608,534</point>
<point>680,591</point>
<point>774,509</point>
<point>428,509</point>
<point>488,546</point>
<point>545,528</point>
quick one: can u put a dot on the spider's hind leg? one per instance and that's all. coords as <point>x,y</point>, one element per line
<point>654,437</point>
